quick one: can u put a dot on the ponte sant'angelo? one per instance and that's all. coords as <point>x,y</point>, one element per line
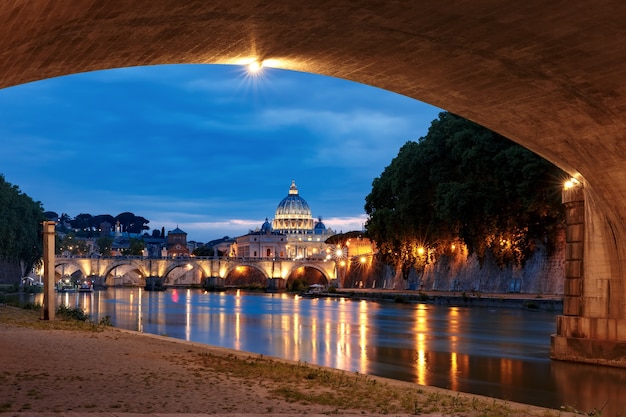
<point>293,242</point>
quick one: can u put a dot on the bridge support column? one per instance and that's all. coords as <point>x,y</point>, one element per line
<point>210,283</point>
<point>592,328</point>
<point>275,285</point>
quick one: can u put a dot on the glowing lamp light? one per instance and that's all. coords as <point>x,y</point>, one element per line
<point>571,183</point>
<point>255,66</point>
<point>420,250</point>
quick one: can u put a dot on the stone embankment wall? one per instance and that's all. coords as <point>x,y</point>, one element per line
<point>543,273</point>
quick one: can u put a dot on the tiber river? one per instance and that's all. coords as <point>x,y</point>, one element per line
<point>501,353</point>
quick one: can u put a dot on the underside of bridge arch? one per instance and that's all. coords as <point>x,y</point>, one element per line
<point>183,274</point>
<point>244,276</point>
<point>548,75</point>
<point>303,276</point>
<point>67,270</point>
<point>124,275</point>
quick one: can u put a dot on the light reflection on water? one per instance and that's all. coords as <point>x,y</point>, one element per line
<point>499,353</point>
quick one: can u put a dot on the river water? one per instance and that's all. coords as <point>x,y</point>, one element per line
<point>502,353</point>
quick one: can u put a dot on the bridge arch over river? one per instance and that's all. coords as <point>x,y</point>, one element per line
<point>548,75</point>
<point>121,270</point>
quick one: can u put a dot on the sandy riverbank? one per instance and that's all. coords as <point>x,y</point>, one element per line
<point>53,367</point>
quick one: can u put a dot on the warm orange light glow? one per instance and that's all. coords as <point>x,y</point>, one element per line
<point>363,259</point>
<point>255,66</point>
<point>420,251</point>
<point>571,183</point>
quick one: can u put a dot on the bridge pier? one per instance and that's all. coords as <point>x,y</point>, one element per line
<point>275,285</point>
<point>213,283</point>
<point>592,328</point>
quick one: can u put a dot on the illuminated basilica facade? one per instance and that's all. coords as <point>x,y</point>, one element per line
<point>292,234</point>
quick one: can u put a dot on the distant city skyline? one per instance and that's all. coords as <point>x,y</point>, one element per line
<point>206,148</point>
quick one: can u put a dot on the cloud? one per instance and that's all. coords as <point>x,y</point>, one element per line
<point>203,146</point>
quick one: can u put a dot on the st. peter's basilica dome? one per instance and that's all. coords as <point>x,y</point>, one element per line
<point>293,214</point>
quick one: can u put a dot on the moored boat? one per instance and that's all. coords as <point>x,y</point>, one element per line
<point>85,286</point>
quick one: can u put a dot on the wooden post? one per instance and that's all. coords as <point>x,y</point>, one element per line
<point>49,305</point>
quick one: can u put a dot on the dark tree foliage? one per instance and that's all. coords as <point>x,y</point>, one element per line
<point>85,222</point>
<point>135,249</point>
<point>20,226</point>
<point>131,223</point>
<point>105,244</point>
<point>51,215</point>
<point>463,181</point>
<point>72,245</point>
<point>342,238</point>
<point>206,251</point>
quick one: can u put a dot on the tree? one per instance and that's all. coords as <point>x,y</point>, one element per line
<point>105,244</point>
<point>51,215</point>
<point>131,223</point>
<point>72,245</point>
<point>136,248</point>
<point>463,181</point>
<point>83,222</point>
<point>204,251</point>
<point>20,226</point>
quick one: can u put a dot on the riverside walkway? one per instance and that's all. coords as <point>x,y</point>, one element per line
<point>547,302</point>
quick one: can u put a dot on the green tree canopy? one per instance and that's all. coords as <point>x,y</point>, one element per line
<point>20,226</point>
<point>72,245</point>
<point>463,181</point>
<point>136,248</point>
<point>132,223</point>
<point>105,244</point>
<point>205,251</point>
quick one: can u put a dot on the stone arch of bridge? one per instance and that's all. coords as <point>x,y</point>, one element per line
<point>75,265</point>
<point>134,264</point>
<point>232,267</point>
<point>326,274</point>
<point>546,76</point>
<point>183,264</point>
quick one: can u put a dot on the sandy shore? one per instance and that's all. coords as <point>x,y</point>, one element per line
<point>44,369</point>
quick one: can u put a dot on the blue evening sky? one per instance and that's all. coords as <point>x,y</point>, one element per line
<point>208,148</point>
